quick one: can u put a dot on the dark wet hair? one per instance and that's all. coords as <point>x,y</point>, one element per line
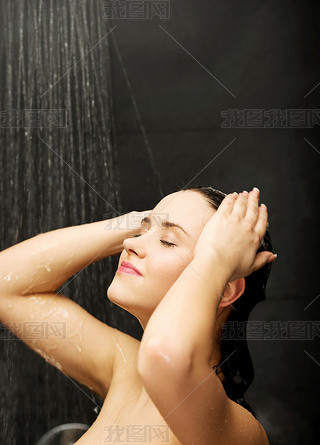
<point>236,363</point>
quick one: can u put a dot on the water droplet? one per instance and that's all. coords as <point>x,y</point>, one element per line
<point>65,313</point>
<point>121,351</point>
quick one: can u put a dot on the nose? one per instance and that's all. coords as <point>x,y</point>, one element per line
<point>127,244</point>
<point>134,244</point>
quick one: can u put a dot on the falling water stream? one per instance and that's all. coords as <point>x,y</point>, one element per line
<point>58,168</point>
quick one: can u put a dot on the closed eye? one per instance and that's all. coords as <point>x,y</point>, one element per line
<point>163,241</point>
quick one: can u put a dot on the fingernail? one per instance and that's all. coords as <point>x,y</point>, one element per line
<point>256,192</point>
<point>272,257</point>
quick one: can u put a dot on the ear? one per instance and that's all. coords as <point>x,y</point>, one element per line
<point>232,292</point>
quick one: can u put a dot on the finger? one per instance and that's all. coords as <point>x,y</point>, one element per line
<point>261,259</point>
<point>240,206</point>
<point>261,225</point>
<point>252,214</point>
<point>227,203</point>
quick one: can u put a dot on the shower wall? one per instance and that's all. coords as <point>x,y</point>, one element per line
<point>194,76</point>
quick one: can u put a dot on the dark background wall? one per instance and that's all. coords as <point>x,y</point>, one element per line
<point>169,81</point>
<point>266,55</point>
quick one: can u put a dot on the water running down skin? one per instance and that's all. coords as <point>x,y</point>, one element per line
<point>132,396</point>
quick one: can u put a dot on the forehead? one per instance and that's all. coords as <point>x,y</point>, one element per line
<point>186,208</point>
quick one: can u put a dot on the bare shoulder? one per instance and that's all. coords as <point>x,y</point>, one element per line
<point>207,415</point>
<point>264,436</point>
<point>245,423</point>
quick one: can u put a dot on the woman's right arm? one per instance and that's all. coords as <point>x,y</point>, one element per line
<point>43,263</point>
<point>51,324</point>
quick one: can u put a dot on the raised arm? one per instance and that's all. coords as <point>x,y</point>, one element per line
<point>177,343</point>
<point>43,263</point>
<point>51,324</point>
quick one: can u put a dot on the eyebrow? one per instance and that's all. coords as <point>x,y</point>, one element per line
<point>166,224</point>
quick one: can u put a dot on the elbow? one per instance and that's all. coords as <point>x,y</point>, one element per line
<point>163,358</point>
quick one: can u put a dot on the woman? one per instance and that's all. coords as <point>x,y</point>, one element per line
<point>181,274</point>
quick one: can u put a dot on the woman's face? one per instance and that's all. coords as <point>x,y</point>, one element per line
<point>159,263</point>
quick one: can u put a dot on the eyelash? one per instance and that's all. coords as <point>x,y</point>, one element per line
<point>164,242</point>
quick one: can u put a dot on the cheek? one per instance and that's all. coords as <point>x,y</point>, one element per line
<point>165,272</point>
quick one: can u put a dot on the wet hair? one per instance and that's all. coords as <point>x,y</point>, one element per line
<point>236,363</point>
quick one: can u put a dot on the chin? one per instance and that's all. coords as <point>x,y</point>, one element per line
<point>134,303</point>
<point>119,294</point>
<point>114,293</point>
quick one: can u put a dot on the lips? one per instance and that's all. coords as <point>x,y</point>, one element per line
<point>126,265</point>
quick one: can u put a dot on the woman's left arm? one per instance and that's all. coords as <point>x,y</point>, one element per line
<point>181,327</point>
<point>183,323</point>
<point>178,340</point>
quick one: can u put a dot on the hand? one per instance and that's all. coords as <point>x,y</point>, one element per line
<point>128,221</point>
<point>134,218</point>
<point>234,233</point>
<point>127,224</point>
